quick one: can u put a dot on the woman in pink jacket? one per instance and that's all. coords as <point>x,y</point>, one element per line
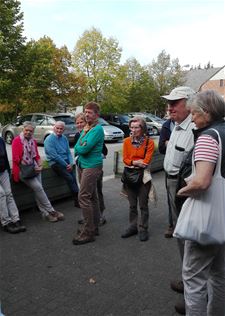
<point>25,152</point>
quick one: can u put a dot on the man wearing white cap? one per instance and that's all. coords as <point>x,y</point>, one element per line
<point>180,143</point>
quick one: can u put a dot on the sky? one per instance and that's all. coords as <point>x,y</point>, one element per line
<point>190,30</point>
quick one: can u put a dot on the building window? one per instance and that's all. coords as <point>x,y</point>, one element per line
<point>221,82</point>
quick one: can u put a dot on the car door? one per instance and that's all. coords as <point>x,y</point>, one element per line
<point>40,124</point>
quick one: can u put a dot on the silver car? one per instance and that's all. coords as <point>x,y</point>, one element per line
<point>43,126</point>
<point>111,132</point>
<point>152,120</point>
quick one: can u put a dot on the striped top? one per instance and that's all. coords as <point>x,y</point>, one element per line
<point>206,149</point>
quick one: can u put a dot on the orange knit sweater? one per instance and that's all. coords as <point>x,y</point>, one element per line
<point>131,153</point>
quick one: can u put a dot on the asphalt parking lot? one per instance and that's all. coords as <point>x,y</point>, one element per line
<point>44,274</point>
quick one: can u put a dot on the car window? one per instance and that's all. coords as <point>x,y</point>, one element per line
<point>148,119</point>
<point>125,119</point>
<point>39,119</point>
<point>50,121</point>
<point>66,119</point>
<point>25,118</point>
<point>116,119</point>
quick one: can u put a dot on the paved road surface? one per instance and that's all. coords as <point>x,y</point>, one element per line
<point>43,274</point>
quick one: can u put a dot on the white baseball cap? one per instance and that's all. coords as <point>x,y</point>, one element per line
<point>179,93</point>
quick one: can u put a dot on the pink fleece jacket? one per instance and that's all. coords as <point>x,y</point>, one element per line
<point>17,156</point>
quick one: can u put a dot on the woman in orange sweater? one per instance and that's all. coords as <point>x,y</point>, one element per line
<point>137,153</point>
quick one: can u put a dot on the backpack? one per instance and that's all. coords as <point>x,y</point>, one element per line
<point>184,172</point>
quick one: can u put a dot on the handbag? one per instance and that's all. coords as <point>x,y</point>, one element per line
<point>133,177</point>
<point>202,219</point>
<point>27,171</point>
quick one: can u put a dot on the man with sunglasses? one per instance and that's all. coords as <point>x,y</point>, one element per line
<point>180,143</point>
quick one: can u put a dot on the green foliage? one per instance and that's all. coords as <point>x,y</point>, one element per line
<point>97,58</point>
<point>166,75</point>
<point>11,51</point>
<point>38,76</point>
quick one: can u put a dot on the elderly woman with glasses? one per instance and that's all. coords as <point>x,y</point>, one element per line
<point>137,153</point>
<point>24,153</point>
<point>204,261</point>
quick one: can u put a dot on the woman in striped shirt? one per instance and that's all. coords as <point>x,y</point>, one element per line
<point>204,266</point>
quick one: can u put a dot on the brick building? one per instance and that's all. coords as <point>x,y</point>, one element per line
<point>204,79</point>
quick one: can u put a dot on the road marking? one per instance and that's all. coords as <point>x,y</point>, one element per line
<point>107,178</point>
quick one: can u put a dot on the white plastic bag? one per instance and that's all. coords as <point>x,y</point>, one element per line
<point>202,219</point>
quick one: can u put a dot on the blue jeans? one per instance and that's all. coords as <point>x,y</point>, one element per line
<point>69,177</point>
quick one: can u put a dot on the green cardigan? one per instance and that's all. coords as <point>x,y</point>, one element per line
<point>89,148</point>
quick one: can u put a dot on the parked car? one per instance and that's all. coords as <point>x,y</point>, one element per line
<point>122,121</point>
<point>111,132</point>
<point>119,120</point>
<point>43,126</point>
<point>152,120</point>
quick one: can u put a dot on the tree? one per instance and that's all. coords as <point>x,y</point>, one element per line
<point>141,87</point>
<point>115,95</point>
<point>132,89</point>
<point>68,86</point>
<point>97,58</point>
<point>11,53</point>
<point>38,94</point>
<point>167,75</point>
<point>49,82</point>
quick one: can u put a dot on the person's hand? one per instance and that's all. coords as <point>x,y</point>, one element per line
<point>139,163</point>
<point>69,168</point>
<point>38,168</point>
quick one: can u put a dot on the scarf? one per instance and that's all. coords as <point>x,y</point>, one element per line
<point>29,150</point>
<point>87,128</point>
<point>137,142</point>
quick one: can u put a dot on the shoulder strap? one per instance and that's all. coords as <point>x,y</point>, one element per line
<point>212,132</point>
<point>146,147</point>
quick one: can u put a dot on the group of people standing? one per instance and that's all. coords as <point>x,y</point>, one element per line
<point>89,152</point>
<point>192,117</point>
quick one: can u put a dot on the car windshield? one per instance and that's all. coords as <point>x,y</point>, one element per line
<point>103,122</point>
<point>125,118</point>
<point>154,118</point>
<point>66,119</point>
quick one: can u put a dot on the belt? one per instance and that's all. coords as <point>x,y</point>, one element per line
<point>170,176</point>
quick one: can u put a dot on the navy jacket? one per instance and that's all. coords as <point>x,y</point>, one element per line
<point>165,133</point>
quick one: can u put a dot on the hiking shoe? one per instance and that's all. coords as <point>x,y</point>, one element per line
<point>129,232</point>
<point>52,218</point>
<point>11,228</point>
<point>143,235</point>
<point>177,286</point>
<point>180,307</point>
<point>79,231</point>
<point>81,240</point>
<point>169,232</point>
<point>21,227</point>
<point>58,215</point>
